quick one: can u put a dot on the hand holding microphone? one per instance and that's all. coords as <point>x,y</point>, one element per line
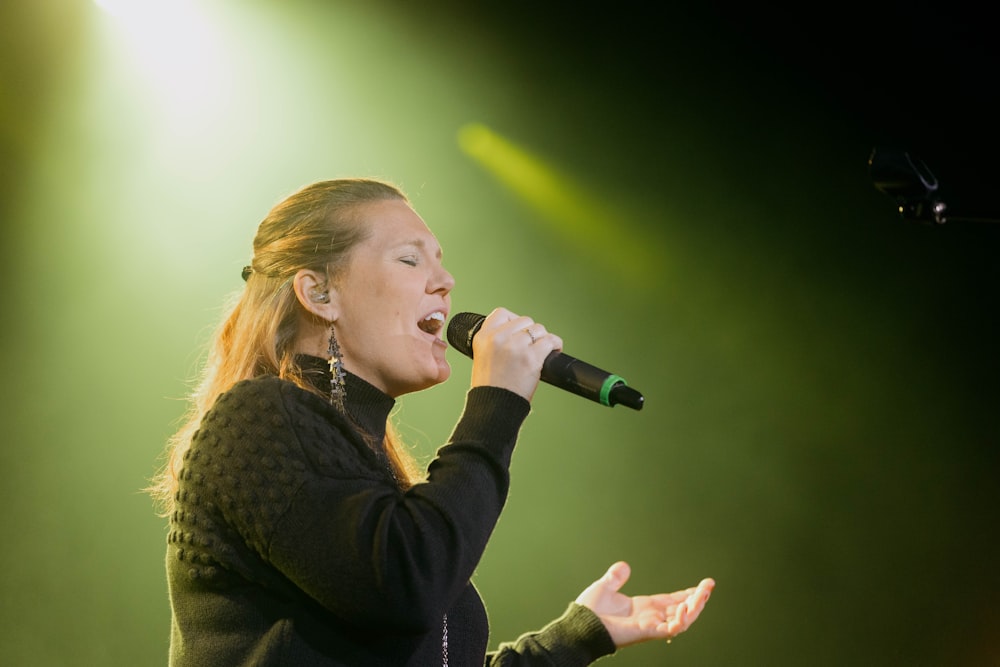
<point>509,361</point>
<point>509,351</point>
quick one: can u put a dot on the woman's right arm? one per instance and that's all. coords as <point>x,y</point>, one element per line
<point>391,559</point>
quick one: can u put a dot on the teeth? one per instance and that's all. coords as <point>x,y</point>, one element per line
<point>433,323</point>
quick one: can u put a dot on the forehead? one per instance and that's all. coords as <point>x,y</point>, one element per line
<point>394,223</point>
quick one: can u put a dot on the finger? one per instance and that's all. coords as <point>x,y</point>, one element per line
<point>514,325</point>
<point>696,603</point>
<point>671,599</point>
<point>508,324</point>
<point>527,333</point>
<point>679,622</point>
<point>703,591</point>
<point>535,331</point>
<point>504,328</point>
<point>498,317</point>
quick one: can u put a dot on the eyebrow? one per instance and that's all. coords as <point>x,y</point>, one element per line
<point>420,243</point>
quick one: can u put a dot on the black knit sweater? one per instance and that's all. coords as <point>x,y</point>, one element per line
<point>292,544</point>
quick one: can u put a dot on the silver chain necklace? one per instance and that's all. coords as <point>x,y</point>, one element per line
<point>444,642</point>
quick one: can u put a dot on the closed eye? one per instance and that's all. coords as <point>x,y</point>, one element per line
<point>410,261</point>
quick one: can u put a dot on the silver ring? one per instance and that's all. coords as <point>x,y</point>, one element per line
<point>527,330</point>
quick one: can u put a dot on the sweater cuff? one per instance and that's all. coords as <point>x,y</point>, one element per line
<point>579,635</point>
<point>493,418</point>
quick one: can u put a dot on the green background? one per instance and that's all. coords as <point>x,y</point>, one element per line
<point>820,431</point>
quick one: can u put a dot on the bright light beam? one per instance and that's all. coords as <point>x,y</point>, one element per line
<point>179,54</point>
<point>573,213</point>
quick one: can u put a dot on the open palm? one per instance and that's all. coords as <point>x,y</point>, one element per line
<point>630,620</point>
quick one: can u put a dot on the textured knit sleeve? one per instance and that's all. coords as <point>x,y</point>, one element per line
<point>576,638</point>
<point>382,559</point>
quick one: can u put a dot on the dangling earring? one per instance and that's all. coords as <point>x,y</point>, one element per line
<point>338,390</point>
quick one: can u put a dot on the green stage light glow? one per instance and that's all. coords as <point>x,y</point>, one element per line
<point>590,224</point>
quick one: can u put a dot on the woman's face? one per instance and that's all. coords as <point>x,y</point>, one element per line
<point>393,299</point>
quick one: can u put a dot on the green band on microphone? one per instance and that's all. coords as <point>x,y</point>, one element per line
<point>609,384</point>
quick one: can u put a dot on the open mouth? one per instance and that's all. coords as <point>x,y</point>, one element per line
<point>433,323</point>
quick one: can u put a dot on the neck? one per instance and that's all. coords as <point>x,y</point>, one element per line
<point>367,406</point>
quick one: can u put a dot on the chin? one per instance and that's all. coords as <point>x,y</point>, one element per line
<point>443,369</point>
<point>442,374</point>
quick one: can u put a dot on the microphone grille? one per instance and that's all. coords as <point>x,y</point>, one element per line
<point>462,329</point>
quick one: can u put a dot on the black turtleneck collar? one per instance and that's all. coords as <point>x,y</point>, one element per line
<point>367,406</point>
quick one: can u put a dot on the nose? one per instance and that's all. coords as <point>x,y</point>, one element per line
<point>442,281</point>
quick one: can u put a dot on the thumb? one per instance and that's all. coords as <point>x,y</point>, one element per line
<point>616,576</point>
<point>599,593</point>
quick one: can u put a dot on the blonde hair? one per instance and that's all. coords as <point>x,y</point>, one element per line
<point>315,228</point>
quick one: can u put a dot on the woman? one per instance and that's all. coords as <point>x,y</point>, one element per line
<point>301,532</point>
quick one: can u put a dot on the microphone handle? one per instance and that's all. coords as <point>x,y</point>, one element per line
<point>579,377</point>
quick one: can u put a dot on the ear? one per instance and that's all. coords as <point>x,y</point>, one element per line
<point>315,292</point>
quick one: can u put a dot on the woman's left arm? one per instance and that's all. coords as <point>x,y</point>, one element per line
<point>603,620</point>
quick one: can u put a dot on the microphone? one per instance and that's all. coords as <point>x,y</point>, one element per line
<point>559,370</point>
